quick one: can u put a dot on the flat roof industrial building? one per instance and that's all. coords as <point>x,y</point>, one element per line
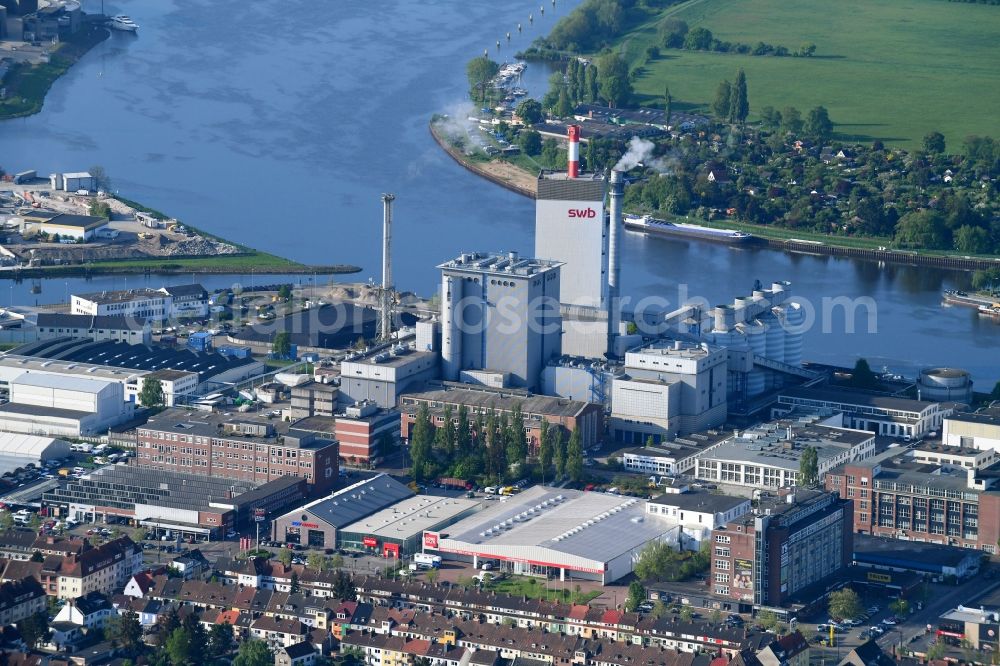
<point>186,503</point>
<point>318,523</point>
<point>550,531</point>
<point>397,530</point>
<point>209,366</point>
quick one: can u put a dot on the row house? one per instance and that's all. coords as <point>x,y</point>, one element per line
<point>105,569</point>
<point>20,599</point>
<point>576,620</point>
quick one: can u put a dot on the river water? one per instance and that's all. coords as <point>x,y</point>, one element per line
<point>280,126</point>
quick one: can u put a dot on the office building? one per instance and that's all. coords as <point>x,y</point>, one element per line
<point>155,304</point>
<point>238,447</point>
<point>768,455</point>
<point>788,548</point>
<point>569,414</point>
<point>174,383</point>
<point>313,399</point>
<point>51,405</point>
<point>916,499</point>
<point>499,313</point>
<point>362,430</point>
<point>882,414</point>
<point>696,512</point>
<point>381,376</point>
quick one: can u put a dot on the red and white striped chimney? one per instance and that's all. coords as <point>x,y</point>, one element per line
<point>573,131</point>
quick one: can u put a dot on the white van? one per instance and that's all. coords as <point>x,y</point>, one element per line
<point>427,559</point>
<point>22,517</point>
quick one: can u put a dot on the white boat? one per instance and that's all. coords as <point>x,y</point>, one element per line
<point>123,23</point>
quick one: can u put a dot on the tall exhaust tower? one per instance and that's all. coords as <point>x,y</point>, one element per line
<point>386,295</point>
<point>573,151</point>
<point>615,195</point>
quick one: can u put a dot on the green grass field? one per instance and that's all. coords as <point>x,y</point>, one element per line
<point>888,70</point>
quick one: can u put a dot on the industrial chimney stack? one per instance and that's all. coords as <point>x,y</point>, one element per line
<point>573,132</point>
<point>386,300</point>
<point>616,193</point>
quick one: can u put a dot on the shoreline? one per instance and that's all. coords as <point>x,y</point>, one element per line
<point>245,260</point>
<point>39,78</point>
<point>789,245</point>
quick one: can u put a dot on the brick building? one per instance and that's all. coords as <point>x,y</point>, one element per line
<point>360,431</point>
<point>570,414</point>
<point>239,447</point>
<point>926,499</point>
<point>787,546</point>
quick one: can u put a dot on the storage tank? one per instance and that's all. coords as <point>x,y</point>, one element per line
<point>774,347</point>
<point>755,333</point>
<point>794,318</point>
<point>451,332</point>
<point>945,384</point>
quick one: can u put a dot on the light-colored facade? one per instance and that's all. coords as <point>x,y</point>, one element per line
<point>768,456</point>
<point>697,513</point>
<point>670,389</point>
<point>500,313</point>
<point>571,228</point>
<point>978,431</point>
<point>884,415</point>
<point>175,302</point>
<point>60,406</point>
<point>381,376</point>
<point>551,532</point>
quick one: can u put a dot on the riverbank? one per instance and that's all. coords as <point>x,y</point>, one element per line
<point>28,84</point>
<point>237,258</point>
<point>498,171</point>
<point>517,179</point>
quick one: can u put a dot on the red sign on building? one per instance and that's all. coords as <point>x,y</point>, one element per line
<point>370,542</point>
<point>430,540</point>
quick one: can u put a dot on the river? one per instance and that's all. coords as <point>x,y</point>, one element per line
<point>279,126</point>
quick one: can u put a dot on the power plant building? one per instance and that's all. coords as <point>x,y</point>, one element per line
<point>669,389</point>
<point>500,313</point>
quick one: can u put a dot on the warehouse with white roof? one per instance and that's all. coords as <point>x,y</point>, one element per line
<point>556,532</point>
<point>396,531</point>
<point>63,406</point>
<point>17,450</point>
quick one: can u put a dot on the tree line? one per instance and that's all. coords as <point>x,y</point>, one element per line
<point>595,24</point>
<point>674,33</point>
<point>491,446</point>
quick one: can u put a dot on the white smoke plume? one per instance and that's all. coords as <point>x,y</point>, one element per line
<point>459,128</point>
<point>639,151</point>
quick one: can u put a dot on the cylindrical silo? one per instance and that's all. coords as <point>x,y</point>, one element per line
<point>451,329</point>
<point>794,317</point>
<point>775,336</point>
<point>755,333</point>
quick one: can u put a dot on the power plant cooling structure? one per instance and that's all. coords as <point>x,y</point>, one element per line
<point>615,195</point>
<point>386,295</point>
<point>573,160</point>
